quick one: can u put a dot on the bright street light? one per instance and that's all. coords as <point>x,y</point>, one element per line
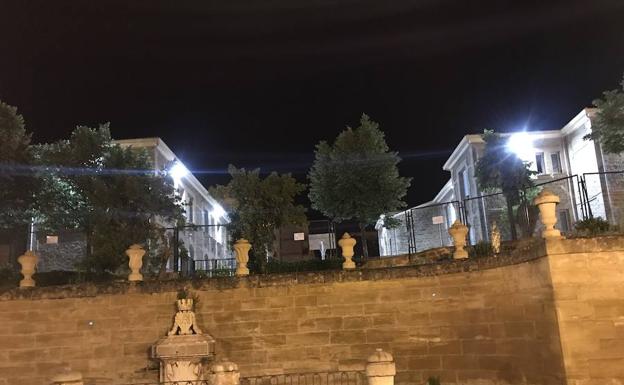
<point>521,144</point>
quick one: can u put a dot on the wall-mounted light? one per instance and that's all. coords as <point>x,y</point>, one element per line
<point>178,171</point>
<point>521,144</point>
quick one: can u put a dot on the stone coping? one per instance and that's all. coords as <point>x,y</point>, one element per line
<point>525,251</point>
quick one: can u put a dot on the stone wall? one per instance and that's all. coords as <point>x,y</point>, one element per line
<point>589,297</point>
<point>489,321</point>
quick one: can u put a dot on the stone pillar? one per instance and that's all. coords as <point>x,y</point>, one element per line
<point>70,378</point>
<point>458,232</point>
<point>28,261</point>
<point>547,202</point>
<point>224,373</point>
<point>241,249</point>
<point>347,243</point>
<point>380,368</point>
<point>135,254</point>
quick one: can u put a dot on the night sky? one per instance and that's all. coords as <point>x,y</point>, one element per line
<point>259,83</point>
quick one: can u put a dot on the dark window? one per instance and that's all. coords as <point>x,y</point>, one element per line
<point>539,162</point>
<point>190,210</point>
<point>563,220</point>
<point>464,185</point>
<point>556,163</point>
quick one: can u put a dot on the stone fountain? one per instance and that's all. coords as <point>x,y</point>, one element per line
<point>185,351</point>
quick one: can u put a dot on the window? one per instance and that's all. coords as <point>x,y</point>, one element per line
<point>563,220</point>
<point>556,163</point>
<point>464,185</point>
<point>190,210</point>
<point>206,220</point>
<point>539,162</point>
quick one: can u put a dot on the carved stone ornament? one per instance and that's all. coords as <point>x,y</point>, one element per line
<point>184,322</point>
<point>185,351</point>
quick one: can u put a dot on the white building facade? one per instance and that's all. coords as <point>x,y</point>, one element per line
<point>586,179</point>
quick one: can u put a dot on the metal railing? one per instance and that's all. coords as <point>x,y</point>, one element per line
<point>225,267</point>
<point>317,378</point>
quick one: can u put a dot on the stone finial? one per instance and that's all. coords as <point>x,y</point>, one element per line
<point>380,368</point>
<point>224,373</point>
<point>69,378</point>
<point>458,232</point>
<point>135,261</point>
<point>28,261</point>
<point>241,250</point>
<point>347,243</point>
<point>495,237</point>
<point>184,322</point>
<point>547,202</point>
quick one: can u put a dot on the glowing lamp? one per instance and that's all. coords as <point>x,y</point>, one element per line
<point>178,171</point>
<point>521,144</point>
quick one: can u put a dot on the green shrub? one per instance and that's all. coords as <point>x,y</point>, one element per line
<point>593,226</point>
<point>9,276</point>
<point>481,250</point>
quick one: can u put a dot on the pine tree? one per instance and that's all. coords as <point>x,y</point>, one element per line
<point>356,177</point>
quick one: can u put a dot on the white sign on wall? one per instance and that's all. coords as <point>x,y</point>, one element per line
<point>437,220</point>
<point>299,236</point>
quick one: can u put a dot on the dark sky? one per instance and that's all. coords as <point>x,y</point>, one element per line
<point>258,83</point>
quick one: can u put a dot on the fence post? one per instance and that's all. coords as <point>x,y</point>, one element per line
<point>380,368</point>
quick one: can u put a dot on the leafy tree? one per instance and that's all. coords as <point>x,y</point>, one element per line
<point>356,177</point>
<point>17,183</point>
<point>258,206</point>
<point>501,169</point>
<point>608,123</point>
<point>110,193</point>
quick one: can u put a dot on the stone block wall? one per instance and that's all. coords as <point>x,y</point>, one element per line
<point>477,322</point>
<point>495,326</point>
<point>589,298</point>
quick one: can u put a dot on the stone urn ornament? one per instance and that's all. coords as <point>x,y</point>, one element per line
<point>547,202</point>
<point>28,261</point>
<point>458,232</point>
<point>347,243</point>
<point>495,237</point>
<point>241,250</point>
<point>135,254</point>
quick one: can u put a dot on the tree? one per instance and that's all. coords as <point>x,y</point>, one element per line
<point>17,183</point>
<point>501,169</point>
<point>608,123</point>
<point>111,194</point>
<point>356,177</point>
<point>258,206</point>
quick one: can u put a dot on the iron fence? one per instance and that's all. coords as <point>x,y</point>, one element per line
<point>425,227</point>
<point>604,196</point>
<point>318,378</point>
